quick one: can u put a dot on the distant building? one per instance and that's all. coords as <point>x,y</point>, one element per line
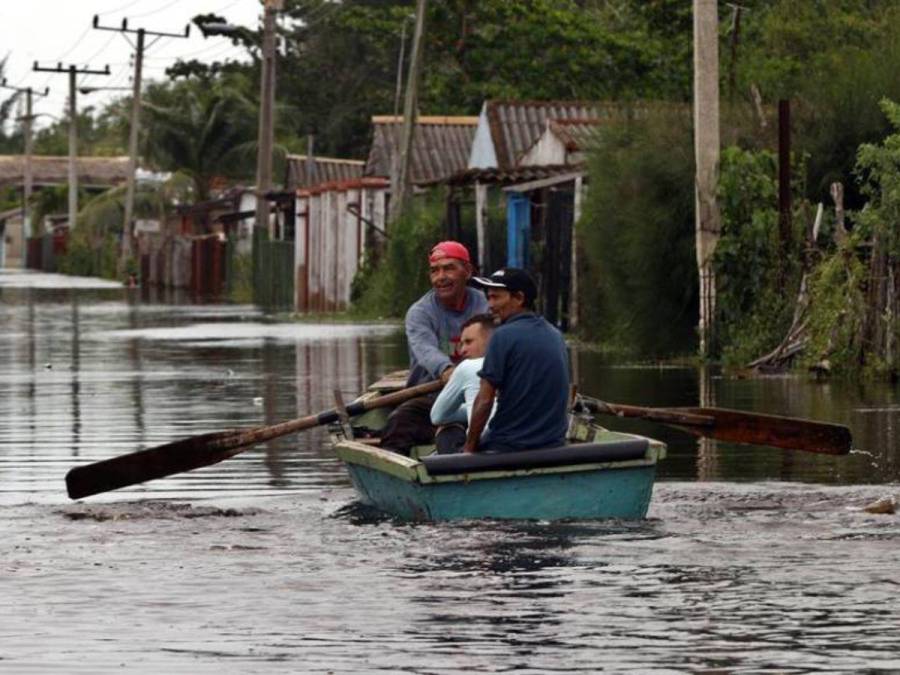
<point>440,147</point>
<point>93,172</point>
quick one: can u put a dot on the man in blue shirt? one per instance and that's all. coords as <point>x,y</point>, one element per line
<point>526,368</point>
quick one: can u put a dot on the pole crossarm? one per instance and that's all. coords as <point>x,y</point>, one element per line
<point>125,29</point>
<point>59,68</point>
<point>24,90</point>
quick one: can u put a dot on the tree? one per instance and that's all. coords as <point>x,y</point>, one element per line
<point>205,129</point>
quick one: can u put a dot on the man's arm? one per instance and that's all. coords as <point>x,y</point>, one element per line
<point>425,344</point>
<point>450,404</point>
<point>481,412</point>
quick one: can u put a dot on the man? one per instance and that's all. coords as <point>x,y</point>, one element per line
<point>433,327</point>
<point>453,407</point>
<point>526,368</point>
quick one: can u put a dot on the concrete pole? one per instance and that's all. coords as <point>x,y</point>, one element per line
<point>29,168</point>
<point>73,151</point>
<point>266,110</point>
<point>133,128</point>
<point>706,154</point>
<point>400,191</point>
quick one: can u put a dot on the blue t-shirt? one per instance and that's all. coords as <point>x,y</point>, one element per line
<point>527,362</point>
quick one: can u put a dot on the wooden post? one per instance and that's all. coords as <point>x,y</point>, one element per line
<point>706,153</point>
<point>73,151</point>
<point>577,197</point>
<point>266,119</point>
<point>401,188</point>
<point>480,201</point>
<point>132,147</point>
<point>784,173</point>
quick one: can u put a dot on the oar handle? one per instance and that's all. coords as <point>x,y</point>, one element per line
<point>655,414</point>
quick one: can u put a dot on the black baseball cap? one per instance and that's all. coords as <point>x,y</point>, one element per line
<point>512,279</point>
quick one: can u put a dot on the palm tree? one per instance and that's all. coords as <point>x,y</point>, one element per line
<point>205,129</point>
<point>7,143</point>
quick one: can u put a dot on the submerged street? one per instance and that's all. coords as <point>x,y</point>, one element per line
<point>751,558</point>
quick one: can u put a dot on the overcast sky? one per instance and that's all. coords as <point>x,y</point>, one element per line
<point>50,31</point>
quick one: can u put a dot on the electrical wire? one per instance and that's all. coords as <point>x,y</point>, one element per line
<point>119,9</point>
<point>156,11</point>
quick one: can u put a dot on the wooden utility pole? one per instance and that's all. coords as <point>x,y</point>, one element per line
<point>72,72</point>
<point>706,155</point>
<point>266,118</point>
<point>134,123</point>
<point>28,179</point>
<point>784,174</point>
<point>401,188</point>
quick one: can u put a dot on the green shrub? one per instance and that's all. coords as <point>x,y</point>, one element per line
<point>638,288</point>
<point>388,286</point>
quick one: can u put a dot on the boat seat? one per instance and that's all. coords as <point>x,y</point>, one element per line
<point>575,453</point>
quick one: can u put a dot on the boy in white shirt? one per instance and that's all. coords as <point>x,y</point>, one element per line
<point>453,407</point>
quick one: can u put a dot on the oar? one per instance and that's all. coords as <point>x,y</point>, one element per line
<point>737,426</point>
<point>205,449</point>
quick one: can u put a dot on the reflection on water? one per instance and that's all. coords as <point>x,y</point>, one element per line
<point>266,562</point>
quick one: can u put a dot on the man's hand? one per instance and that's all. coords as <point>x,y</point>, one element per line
<point>481,411</point>
<point>446,373</point>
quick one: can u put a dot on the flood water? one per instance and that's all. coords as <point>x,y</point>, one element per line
<point>751,559</point>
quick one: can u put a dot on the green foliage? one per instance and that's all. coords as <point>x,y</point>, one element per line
<point>387,287</point>
<point>878,167</point>
<point>640,282</point>
<point>240,279</point>
<point>203,129</point>
<point>754,277</point>
<point>837,311</point>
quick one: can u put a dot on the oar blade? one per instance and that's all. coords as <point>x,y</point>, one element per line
<point>158,462</point>
<point>737,426</point>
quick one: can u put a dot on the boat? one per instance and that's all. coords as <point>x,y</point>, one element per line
<point>598,474</point>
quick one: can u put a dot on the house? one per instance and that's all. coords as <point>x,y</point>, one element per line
<point>337,222</point>
<point>562,142</point>
<point>304,172</point>
<point>440,147</point>
<point>12,243</point>
<point>93,172</point>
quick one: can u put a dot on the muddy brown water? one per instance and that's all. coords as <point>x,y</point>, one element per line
<point>751,560</point>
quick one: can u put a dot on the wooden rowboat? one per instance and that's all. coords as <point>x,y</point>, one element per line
<point>599,474</point>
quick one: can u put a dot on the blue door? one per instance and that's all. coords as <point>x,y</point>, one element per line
<point>518,229</point>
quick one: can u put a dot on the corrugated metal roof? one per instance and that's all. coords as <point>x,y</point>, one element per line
<point>54,170</point>
<point>516,125</point>
<point>576,135</point>
<point>325,170</point>
<point>519,174</point>
<point>440,148</point>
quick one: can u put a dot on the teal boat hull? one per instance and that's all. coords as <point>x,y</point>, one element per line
<point>623,493</point>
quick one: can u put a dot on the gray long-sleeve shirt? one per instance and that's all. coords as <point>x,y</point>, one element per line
<point>432,331</point>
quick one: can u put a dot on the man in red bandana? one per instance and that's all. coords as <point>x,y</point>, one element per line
<point>433,326</point>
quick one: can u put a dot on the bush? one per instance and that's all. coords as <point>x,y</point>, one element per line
<point>387,287</point>
<point>639,279</point>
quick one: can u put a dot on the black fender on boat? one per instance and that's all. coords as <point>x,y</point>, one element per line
<point>576,453</point>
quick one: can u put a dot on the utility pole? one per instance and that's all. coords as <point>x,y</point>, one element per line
<point>401,189</point>
<point>706,155</point>
<point>72,71</point>
<point>28,181</point>
<point>134,123</point>
<point>266,118</point>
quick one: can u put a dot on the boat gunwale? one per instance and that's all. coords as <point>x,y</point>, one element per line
<point>402,467</point>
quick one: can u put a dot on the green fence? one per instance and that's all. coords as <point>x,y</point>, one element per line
<point>273,272</point>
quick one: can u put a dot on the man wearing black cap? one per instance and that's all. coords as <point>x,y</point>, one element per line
<point>526,368</point>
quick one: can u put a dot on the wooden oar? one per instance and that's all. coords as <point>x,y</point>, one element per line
<point>205,449</point>
<point>736,426</point>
